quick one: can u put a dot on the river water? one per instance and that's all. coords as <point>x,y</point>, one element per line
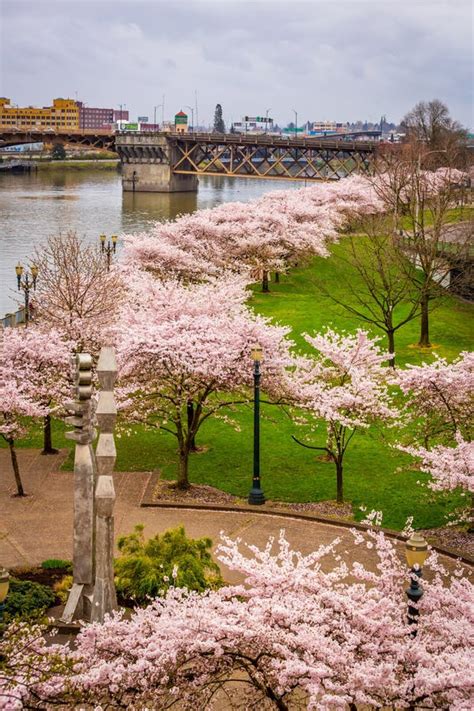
<point>34,206</point>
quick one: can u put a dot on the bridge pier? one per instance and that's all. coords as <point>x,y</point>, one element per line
<point>155,178</point>
<point>147,161</point>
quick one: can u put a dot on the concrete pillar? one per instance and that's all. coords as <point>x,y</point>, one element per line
<point>79,600</point>
<point>155,178</point>
<point>146,165</point>
<point>104,599</point>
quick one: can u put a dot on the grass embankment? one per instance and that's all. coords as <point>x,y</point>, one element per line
<point>90,164</point>
<point>290,472</point>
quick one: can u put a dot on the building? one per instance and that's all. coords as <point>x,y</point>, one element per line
<point>253,124</point>
<point>181,122</point>
<point>63,114</point>
<point>94,117</point>
<point>323,127</point>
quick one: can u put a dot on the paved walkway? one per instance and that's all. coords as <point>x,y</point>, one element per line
<point>40,526</point>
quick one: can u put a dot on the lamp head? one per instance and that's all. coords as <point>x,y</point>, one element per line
<point>416,550</point>
<point>19,270</point>
<point>257,353</point>
<point>4,584</point>
<point>102,239</point>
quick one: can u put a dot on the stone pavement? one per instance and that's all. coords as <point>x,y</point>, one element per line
<point>40,525</point>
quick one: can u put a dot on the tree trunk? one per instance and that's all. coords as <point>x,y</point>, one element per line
<point>47,438</point>
<point>16,468</point>
<point>339,481</point>
<point>190,415</point>
<point>425,331</point>
<point>391,347</point>
<point>265,287</point>
<point>183,480</point>
<point>277,277</point>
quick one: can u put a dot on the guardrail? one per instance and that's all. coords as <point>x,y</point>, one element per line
<point>14,319</point>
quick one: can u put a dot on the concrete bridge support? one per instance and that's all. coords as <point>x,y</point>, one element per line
<point>146,165</point>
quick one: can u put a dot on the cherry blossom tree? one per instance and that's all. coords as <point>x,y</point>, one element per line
<point>317,631</point>
<point>76,294</point>
<point>180,344</point>
<point>449,467</point>
<point>439,397</point>
<point>345,384</point>
<point>264,235</point>
<point>15,406</point>
<point>41,363</point>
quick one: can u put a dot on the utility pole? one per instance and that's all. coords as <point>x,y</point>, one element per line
<point>296,122</point>
<point>266,120</point>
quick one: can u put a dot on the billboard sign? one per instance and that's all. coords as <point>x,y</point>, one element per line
<point>142,119</point>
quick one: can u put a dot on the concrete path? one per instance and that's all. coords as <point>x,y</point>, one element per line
<point>40,526</point>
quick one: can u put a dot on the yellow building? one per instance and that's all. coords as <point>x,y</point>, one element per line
<point>63,114</point>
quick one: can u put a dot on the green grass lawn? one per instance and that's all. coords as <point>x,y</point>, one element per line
<point>297,301</point>
<point>375,476</point>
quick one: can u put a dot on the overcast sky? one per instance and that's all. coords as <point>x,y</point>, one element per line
<point>332,59</point>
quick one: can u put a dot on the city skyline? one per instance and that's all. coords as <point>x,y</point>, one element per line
<point>364,58</point>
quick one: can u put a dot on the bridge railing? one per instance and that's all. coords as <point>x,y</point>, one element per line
<point>16,318</point>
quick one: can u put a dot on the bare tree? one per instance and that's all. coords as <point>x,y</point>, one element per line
<point>419,194</point>
<point>430,123</point>
<point>383,293</point>
<point>76,291</point>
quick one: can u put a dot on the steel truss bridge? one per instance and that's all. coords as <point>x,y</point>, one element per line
<point>232,155</point>
<point>287,158</point>
<point>95,138</point>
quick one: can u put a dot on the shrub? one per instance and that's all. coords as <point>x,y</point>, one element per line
<point>58,151</point>
<point>62,587</point>
<point>149,568</point>
<point>56,564</point>
<point>25,597</point>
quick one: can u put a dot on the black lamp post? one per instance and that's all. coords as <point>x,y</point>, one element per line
<point>256,495</point>
<point>416,550</point>
<point>108,249</point>
<point>26,283</point>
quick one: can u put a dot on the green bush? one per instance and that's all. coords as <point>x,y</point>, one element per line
<point>58,152</point>
<point>149,568</point>
<point>56,564</point>
<point>25,597</point>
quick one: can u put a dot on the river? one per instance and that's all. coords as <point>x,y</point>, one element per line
<point>36,205</point>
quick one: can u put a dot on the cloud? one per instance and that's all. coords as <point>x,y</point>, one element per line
<point>338,60</point>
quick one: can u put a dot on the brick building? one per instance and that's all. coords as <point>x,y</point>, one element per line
<point>94,117</point>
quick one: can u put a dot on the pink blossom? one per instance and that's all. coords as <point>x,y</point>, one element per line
<point>303,628</point>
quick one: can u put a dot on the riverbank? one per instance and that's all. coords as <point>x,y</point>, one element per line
<point>105,164</point>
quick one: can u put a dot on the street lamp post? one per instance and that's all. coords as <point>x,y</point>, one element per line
<point>256,495</point>
<point>296,122</point>
<point>26,283</point>
<point>416,550</point>
<point>4,586</point>
<point>110,249</point>
<point>266,120</point>
<point>158,106</point>
<point>192,114</point>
